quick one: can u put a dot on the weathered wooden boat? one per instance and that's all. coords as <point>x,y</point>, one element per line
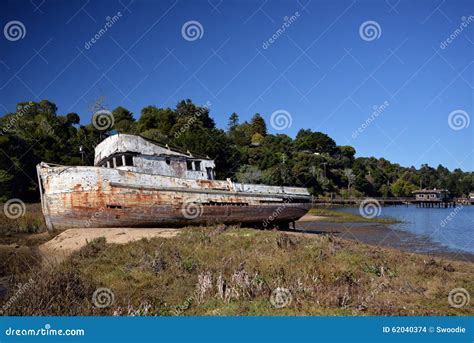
<point>136,182</point>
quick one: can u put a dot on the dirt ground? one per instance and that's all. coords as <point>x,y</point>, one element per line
<point>311,217</point>
<point>73,239</point>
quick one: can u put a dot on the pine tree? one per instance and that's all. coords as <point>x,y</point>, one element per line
<point>233,121</point>
<point>258,125</point>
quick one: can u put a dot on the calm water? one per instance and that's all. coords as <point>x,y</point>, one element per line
<point>456,233</point>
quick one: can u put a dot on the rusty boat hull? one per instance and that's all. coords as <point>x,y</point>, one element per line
<point>82,197</point>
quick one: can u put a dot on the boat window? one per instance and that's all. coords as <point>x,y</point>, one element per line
<point>189,165</point>
<point>197,165</point>
<point>118,161</point>
<point>210,175</point>
<point>168,161</point>
<point>128,160</point>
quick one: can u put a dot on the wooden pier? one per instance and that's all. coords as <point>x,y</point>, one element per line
<point>358,201</point>
<point>435,203</point>
<point>423,198</point>
<point>389,201</point>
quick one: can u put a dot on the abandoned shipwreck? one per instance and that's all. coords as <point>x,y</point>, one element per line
<point>136,182</point>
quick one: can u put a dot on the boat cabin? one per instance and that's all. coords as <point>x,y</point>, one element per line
<point>139,154</point>
<point>434,195</point>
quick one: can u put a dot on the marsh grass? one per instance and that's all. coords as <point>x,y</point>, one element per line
<point>19,239</point>
<point>210,271</point>
<point>31,221</point>
<point>331,215</point>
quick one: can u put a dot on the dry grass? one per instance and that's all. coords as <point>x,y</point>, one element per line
<point>32,221</point>
<point>215,271</point>
<point>19,239</point>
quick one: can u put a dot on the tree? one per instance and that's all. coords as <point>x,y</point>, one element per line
<point>35,132</point>
<point>160,119</point>
<point>346,154</point>
<point>350,178</point>
<point>385,190</point>
<point>314,142</point>
<point>402,188</point>
<point>123,119</point>
<point>233,122</point>
<point>257,139</point>
<point>73,119</point>
<point>249,174</point>
<point>187,109</point>
<point>241,136</point>
<point>258,125</point>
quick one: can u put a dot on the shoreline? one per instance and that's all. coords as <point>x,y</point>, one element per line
<point>381,235</point>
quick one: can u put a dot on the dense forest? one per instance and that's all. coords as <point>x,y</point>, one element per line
<point>244,151</point>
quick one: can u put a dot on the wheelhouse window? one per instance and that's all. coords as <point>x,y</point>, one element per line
<point>128,160</point>
<point>118,161</point>
<point>189,165</point>
<point>197,165</point>
<point>210,173</point>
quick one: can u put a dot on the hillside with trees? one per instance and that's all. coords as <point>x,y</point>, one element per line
<point>244,151</point>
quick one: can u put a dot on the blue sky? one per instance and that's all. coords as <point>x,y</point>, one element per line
<point>322,69</point>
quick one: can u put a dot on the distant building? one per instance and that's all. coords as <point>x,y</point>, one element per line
<point>434,195</point>
<point>471,197</point>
